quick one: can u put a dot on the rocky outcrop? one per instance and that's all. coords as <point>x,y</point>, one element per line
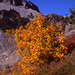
<point>11,20</point>
<point>26,4</point>
<point>18,3</point>
<point>21,10</point>
<point>69,30</point>
<point>11,2</point>
<point>29,4</point>
<point>7,51</point>
<point>63,20</point>
<point>0,0</point>
<point>56,18</point>
<point>13,16</point>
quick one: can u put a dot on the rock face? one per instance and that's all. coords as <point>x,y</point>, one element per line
<point>11,19</point>
<point>0,0</point>
<point>14,16</point>
<point>7,51</point>
<point>18,3</point>
<point>21,10</point>
<point>69,30</point>
<point>29,4</point>
<point>56,18</point>
<point>63,20</point>
<point>26,4</point>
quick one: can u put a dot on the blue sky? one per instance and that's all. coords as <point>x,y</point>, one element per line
<point>60,7</point>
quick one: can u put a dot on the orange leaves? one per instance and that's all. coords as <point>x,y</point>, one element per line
<point>64,47</point>
<point>8,32</point>
<point>40,29</point>
<point>11,40</point>
<point>60,56</point>
<point>36,41</point>
<point>65,51</point>
<point>44,52</point>
<point>24,36</point>
<point>20,27</point>
<point>47,29</point>
<point>52,23</point>
<point>46,37</point>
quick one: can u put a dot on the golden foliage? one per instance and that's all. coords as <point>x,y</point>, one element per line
<point>38,41</point>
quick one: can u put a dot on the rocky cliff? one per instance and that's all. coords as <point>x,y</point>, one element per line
<point>12,16</point>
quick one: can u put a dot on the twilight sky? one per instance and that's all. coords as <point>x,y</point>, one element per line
<point>60,7</point>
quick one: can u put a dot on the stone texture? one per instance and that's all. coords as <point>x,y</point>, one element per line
<point>69,27</point>
<point>29,4</point>
<point>54,18</point>
<point>7,51</point>
<point>21,10</point>
<point>69,30</point>
<point>18,3</point>
<point>10,19</point>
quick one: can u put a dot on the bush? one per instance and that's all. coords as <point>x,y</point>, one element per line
<point>38,44</point>
<point>70,43</point>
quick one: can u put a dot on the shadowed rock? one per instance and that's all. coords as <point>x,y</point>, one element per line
<point>18,3</point>
<point>29,4</point>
